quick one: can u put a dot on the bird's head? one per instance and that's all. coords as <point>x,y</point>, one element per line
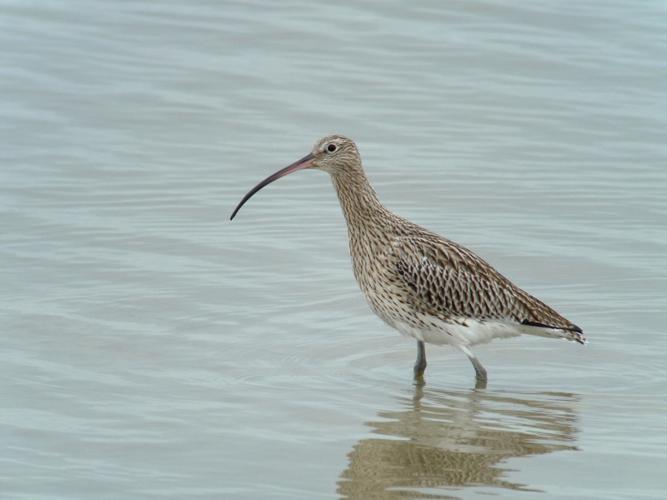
<point>334,154</point>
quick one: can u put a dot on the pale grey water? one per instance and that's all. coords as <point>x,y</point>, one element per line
<point>152,349</point>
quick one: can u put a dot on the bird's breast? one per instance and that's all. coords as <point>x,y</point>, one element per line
<point>381,285</point>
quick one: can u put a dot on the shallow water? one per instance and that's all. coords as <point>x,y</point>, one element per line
<point>152,349</point>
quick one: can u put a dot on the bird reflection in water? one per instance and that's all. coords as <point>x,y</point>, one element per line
<point>450,440</point>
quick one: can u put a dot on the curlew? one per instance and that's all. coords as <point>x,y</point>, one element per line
<point>423,285</point>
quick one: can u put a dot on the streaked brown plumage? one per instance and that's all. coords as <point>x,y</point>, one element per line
<point>422,284</point>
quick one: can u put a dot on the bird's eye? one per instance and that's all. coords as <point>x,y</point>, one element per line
<point>331,148</point>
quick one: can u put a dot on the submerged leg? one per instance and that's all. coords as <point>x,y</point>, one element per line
<point>480,372</point>
<point>420,364</point>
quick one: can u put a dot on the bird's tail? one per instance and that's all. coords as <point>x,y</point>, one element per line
<point>573,333</point>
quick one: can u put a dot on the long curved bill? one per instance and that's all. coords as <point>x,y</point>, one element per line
<point>305,162</point>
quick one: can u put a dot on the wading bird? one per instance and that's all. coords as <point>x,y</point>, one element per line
<point>425,286</point>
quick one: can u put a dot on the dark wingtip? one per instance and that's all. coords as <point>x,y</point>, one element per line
<point>573,328</point>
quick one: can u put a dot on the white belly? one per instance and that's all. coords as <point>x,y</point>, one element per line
<point>434,330</point>
<point>468,332</point>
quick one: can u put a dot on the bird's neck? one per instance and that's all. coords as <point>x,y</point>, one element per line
<point>360,203</point>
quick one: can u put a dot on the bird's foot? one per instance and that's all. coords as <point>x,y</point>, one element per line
<point>481,379</point>
<point>419,374</point>
<point>480,383</point>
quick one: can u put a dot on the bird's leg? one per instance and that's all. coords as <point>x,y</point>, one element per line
<point>480,372</point>
<point>420,364</point>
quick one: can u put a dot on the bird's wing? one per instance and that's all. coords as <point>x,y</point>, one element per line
<point>444,279</point>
